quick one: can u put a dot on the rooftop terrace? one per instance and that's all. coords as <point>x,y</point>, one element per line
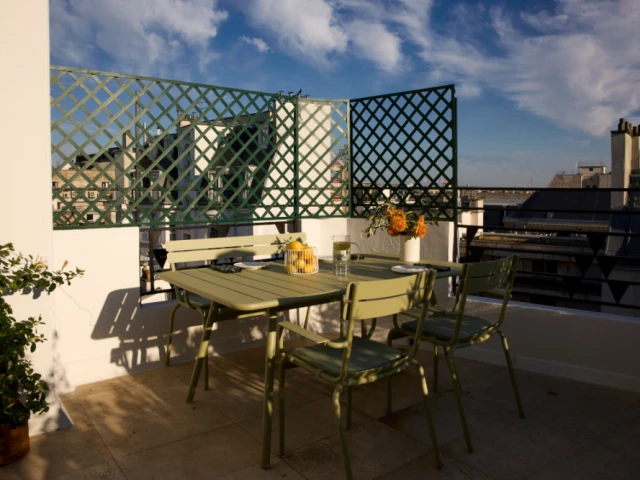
<point>139,426</point>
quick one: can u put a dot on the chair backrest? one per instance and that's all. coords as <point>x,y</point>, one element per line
<point>495,276</point>
<point>207,249</point>
<point>366,300</point>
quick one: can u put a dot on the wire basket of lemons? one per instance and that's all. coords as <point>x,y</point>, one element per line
<point>300,259</point>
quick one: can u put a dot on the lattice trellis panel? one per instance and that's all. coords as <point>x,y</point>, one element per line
<point>404,149</point>
<point>141,151</point>
<point>323,158</point>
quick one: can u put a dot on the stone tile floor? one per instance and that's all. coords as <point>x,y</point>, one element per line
<point>139,427</point>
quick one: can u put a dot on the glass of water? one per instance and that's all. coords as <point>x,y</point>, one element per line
<point>342,254</point>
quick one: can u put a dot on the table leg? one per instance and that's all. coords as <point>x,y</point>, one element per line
<point>202,353</point>
<point>267,412</point>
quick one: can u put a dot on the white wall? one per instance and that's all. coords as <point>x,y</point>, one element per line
<point>585,346</point>
<point>25,214</point>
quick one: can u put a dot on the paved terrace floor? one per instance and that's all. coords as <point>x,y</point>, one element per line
<point>139,427</point>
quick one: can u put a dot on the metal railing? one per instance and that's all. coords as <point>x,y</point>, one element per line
<point>576,249</point>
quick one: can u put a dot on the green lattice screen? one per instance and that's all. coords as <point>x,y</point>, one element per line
<point>323,152</point>
<point>404,149</point>
<point>142,151</point>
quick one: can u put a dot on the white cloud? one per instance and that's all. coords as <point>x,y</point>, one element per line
<point>306,29</point>
<point>375,43</point>
<point>578,69</point>
<point>323,32</point>
<point>260,44</point>
<point>145,35</point>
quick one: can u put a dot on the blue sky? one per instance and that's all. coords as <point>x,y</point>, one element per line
<point>540,84</point>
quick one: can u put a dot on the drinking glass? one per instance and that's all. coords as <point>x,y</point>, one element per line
<point>342,254</point>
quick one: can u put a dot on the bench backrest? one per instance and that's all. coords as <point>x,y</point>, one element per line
<point>207,249</point>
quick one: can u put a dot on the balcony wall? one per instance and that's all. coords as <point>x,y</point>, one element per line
<point>100,331</point>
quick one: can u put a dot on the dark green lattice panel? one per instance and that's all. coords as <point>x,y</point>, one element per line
<point>323,158</point>
<point>134,150</point>
<point>404,149</point>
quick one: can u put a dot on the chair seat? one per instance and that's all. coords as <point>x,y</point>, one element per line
<point>199,301</point>
<point>442,326</point>
<point>365,355</point>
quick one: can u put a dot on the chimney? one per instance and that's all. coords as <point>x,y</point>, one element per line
<point>624,158</point>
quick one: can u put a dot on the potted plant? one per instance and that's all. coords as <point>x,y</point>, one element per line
<point>22,390</point>
<point>396,222</point>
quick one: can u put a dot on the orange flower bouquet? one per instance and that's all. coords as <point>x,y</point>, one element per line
<point>396,221</point>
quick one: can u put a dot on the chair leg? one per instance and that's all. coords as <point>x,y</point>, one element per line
<point>343,438</point>
<point>306,318</point>
<point>505,347</point>
<point>435,368</point>
<point>458,391</point>
<point>281,391</point>
<point>349,403</point>
<point>206,359</point>
<point>172,317</point>
<point>432,428</point>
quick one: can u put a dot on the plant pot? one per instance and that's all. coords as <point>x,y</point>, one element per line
<point>409,249</point>
<point>14,443</point>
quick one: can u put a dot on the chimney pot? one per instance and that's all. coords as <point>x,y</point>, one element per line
<point>281,92</point>
<point>291,94</point>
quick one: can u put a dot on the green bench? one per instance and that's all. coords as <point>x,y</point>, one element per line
<point>200,252</point>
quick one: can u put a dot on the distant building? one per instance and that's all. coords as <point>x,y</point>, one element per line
<point>587,175</point>
<point>587,268</point>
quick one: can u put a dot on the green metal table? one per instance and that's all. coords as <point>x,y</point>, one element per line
<point>269,291</point>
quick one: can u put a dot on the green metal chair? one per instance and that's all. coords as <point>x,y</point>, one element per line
<point>454,329</point>
<point>350,360</point>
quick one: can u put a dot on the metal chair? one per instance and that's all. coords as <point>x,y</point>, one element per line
<point>349,360</point>
<point>453,329</point>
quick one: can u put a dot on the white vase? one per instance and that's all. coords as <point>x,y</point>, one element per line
<point>409,249</point>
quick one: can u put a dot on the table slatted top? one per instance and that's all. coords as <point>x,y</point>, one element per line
<point>273,288</point>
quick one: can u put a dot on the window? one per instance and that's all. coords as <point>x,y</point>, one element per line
<point>172,235</point>
<point>105,184</point>
<point>73,194</point>
<point>89,217</point>
<point>91,194</point>
<point>59,205</point>
<point>54,184</point>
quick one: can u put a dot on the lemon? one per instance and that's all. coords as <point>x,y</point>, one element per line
<point>309,268</point>
<point>291,269</point>
<point>301,264</point>
<point>295,245</point>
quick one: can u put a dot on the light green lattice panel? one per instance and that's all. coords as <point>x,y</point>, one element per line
<point>404,149</point>
<point>323,158</point>
<point>136,150</point>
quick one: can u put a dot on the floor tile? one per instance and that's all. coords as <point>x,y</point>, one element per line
<point>374,449</point>
<point>423,467</point>
<point>103,471</point>
<point>206,456</point>
<point>57,453</point>
<point>591,462</point>
<point>279,470</point>
<point>128,434</point>
<point>511,449</point>
<point>304,424</point>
